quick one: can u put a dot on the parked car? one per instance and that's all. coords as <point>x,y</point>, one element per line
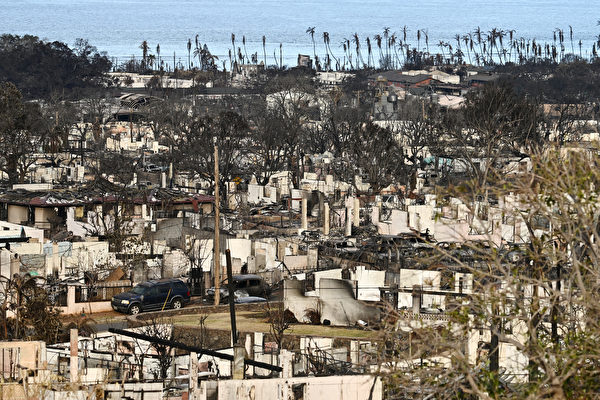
<point>242,297</point>
<point>152,295</point>
<point>253,285</point>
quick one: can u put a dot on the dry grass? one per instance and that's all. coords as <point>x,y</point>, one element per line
<point>251,321</point>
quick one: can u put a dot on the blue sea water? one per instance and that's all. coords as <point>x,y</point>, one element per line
<point>119,26</point>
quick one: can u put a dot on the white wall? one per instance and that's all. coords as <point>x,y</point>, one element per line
<point>345,387</point>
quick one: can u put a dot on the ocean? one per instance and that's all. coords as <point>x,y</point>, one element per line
<point>120,26</point>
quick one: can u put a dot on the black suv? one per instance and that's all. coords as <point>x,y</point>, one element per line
<point>152,295</point>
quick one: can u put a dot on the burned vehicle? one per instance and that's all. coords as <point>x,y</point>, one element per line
<point>247,284</point>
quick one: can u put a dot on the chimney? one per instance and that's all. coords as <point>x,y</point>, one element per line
<point>304,214</point>
<point>356,211</point>
<point>326,219</point>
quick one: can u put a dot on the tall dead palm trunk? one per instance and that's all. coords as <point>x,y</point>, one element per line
<point>441,45</point>
<point>386,33</point>
<point>244,45</point>
<point>158,55</point>
<point>393,43</point>
<point>479,41</point>
<point>347,51</point>
<point>465,39</point>
<point>264,44</point>
<point>571,39</point>
<point>311,32</point>
<point>369,52</point>
<point>378,42</point>
<point>326,39</point>
<point>145,48</point>
<point>281,55</point>
<point>233,48</point>
<point>189,49</point>
<point>359,59</point>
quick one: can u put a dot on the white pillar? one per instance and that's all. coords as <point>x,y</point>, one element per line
<point>375,216</point>
<point>356,211</point>
<point>354,347</point>
<point>193,368</point>
<point>238,362</point>
<point>248,346</point>
<point>326,219</point>
<point>71,299</point>
<point>55,260</point>
<point>348,221</point>
<point>304,214</point>
<point>285,360</point>
<point>74,361</point>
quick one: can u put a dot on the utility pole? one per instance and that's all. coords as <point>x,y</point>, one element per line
<point>217,250</point>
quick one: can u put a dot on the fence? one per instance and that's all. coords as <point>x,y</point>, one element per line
<point>100,292</point>
<point>96,298</point>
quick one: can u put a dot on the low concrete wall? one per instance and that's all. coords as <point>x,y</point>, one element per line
<point>343,387</point>
<point>91,307</point>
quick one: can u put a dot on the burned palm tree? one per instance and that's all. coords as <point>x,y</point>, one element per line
<point>264,44</point>
<point>359,58</point>
<point>393,39</point>
<point>501,34</point>
<point>479,41</point>
<point>559,33</point>
<point>158,55</point>
<point>378,43</point>
<point>189,49</point>
<point>491,41</point>
<point>275,59</point>
<point>197,51</point>
<point>458,46</point>
<point>244,45</point>
<point>511,43</point>
<point>346,46</point>
<point>232,54</point>
<point>145,50</point>
<point>326,40</point>
<point>369,52</point>
<point>571,39</point>
<point>386,33</point>
<point>240,56</point>
<point>466,41</point>
<point>311,32</point>
<point>442,45</point>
